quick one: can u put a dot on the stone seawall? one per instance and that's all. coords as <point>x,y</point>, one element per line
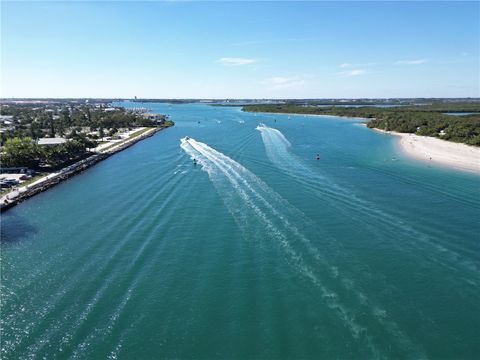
<point>64,174</point>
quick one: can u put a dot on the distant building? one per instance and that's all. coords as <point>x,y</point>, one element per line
<point>51,141</point>
<point>157,118</point>
<point>6,119</point>
<point>6,122</point>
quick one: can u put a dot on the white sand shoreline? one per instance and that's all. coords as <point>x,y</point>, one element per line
<point>427,149</point>
<point>438,152</point>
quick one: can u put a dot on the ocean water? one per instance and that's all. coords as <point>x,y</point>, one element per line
<point>259,251</point>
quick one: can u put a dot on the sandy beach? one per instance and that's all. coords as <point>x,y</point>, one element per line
<point>439,152</point>
<point>428,149</point>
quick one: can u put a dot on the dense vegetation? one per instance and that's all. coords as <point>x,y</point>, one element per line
<point>37,122</point>
<point>426,120</point>
<point>81,124</point>
<point>446,107</point>
<point>26,152</point>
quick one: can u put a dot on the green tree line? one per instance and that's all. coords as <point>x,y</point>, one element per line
<point>427,121</point>
<point>36,122</point>
<point>25,152</point>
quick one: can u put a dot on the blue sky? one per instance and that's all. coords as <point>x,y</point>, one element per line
<point>240,49</point>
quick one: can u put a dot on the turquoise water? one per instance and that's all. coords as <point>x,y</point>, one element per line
<point>259,251</point>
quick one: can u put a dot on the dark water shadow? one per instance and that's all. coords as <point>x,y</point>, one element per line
<point>15,228</point>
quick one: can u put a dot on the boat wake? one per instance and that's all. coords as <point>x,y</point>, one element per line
<point>262,215</point>
<point>278,150</point>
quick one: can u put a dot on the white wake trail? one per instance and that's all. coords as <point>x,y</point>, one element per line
<point>278,151</point>
<point>253,193</point>
<point>251,201</point>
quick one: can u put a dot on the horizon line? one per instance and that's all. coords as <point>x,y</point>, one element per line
<point>240,98</point>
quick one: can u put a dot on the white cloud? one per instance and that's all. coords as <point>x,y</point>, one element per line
<point>280,83</point>
<point>412,62</point>
<point>345,65</point>
<point>354,72</point>
<point>229,61</point>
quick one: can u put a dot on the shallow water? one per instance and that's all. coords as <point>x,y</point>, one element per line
<point>461,113</point>
<point>258,251</point>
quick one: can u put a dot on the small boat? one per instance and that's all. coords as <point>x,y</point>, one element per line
<point>194,161</point>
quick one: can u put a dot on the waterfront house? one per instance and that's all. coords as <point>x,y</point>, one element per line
<point>155,118</point>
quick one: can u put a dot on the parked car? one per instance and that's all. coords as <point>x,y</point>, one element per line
<point>12,182</point>
<point>4,184</point>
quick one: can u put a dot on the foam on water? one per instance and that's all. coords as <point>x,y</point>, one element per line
<point>265,256</point>
<point>278,151</point>
<point>280,222</point>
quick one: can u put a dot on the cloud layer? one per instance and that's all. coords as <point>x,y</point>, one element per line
<point>232,61</point>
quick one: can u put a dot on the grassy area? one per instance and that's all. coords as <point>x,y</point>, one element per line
<point>131,136</point>
<point>136,133</point>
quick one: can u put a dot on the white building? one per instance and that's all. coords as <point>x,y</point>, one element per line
<point>6,119</point>
<point>51,141</point>
<point>155,117</point>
